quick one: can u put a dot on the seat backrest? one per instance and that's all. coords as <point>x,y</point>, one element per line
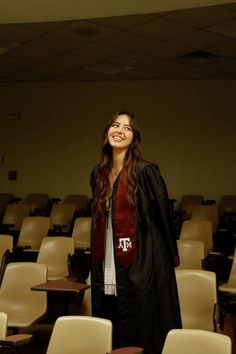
<point>33,230</point>
<point>81,232</point>
<point>81,335</point>
<point>191,254</point>
<point>6,243</point>
<point>206,212</point>
<point>198,230</point>
<point>37,201</point>
<point>185,341</point>
<point>187,202</point>
<point>22,305</point>
<point>80,200</point>
<point>3,324</point>
<point>85,308</point>
<point>6,258</point>
<point>62,214</point>
<point>14,215</point>
<point>232,275</point>
<point>197,291</point>
<point>227,203</point>
<point>5,198</point>
<point>54,253</point>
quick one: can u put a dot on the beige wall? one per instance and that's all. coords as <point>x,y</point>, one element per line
<point>188,128</point>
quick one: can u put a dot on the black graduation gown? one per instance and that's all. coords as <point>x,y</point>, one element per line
<point>147,292</point>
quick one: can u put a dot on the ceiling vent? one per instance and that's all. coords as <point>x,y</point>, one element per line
<point>199,56</point>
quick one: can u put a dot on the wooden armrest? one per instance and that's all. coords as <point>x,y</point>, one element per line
<point>16,340</point>
<point>127,350</point>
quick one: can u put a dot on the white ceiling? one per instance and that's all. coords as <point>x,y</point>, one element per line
<point>196,43</point>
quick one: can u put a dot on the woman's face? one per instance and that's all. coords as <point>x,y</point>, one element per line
<point>120,133</point>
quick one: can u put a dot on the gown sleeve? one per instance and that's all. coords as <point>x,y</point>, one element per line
<point>160,208</point>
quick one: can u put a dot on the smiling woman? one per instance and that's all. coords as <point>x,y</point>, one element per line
<point>120,134</point>
<point>133,243</point>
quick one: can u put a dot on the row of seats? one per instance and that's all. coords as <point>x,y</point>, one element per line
<point>53,252</point>
<point>72,334</point>
<point>197,294</point>
<point>223,213</point>
<point>19,277</point>
<point>41,203</point>
<point>196,250</point>
<point>61,220</point>
<point>208,212</point>
<point>225,204</point>
<point>194,246</point>
<point>188,306</point>
<point>199,246</point>
<point>190,290</point>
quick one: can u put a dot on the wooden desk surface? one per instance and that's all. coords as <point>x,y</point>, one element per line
<point>63,284</point>
<point>127,350</point>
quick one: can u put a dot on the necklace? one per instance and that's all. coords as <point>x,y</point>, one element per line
<point>115,173</point>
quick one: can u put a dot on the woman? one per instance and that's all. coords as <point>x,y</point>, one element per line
<point>133,243</point>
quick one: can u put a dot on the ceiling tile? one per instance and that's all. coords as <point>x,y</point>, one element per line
<point>227,49</point>
<point>224,66</point>
<point>165,50</point>
<point>231,6</point>
<point>149,46</point>
<point>107,68</point>
<point>85,30</point>
<point>15,63</point>
<point>34,53</point>
<point>83,76</point>
<point>201,16</point>
<point>33,77</point>
<point>134,59</point>
<point>44,26</point>
<point>162,29</point>
<point>187,71</point>
<point>227,28</point>
<point>58,42</point>
<point>6,46</point>
<point>98,51</point>
<point>142,73</point>
<point>71,60</point>
<point>227,76</point>
<point>50,69</point>
<point>123,22</point>
<point>127,41</point>
<point>200,39</point>
<point>18,33</point>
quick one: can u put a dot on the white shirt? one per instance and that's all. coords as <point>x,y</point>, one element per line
<point>109,260</point>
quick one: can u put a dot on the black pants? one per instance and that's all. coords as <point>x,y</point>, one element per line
<point>109,310</point>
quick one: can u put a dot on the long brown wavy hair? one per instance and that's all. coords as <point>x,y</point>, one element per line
<point>129,168</point>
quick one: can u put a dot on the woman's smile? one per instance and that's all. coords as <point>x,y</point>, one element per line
<point>120,134</point>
